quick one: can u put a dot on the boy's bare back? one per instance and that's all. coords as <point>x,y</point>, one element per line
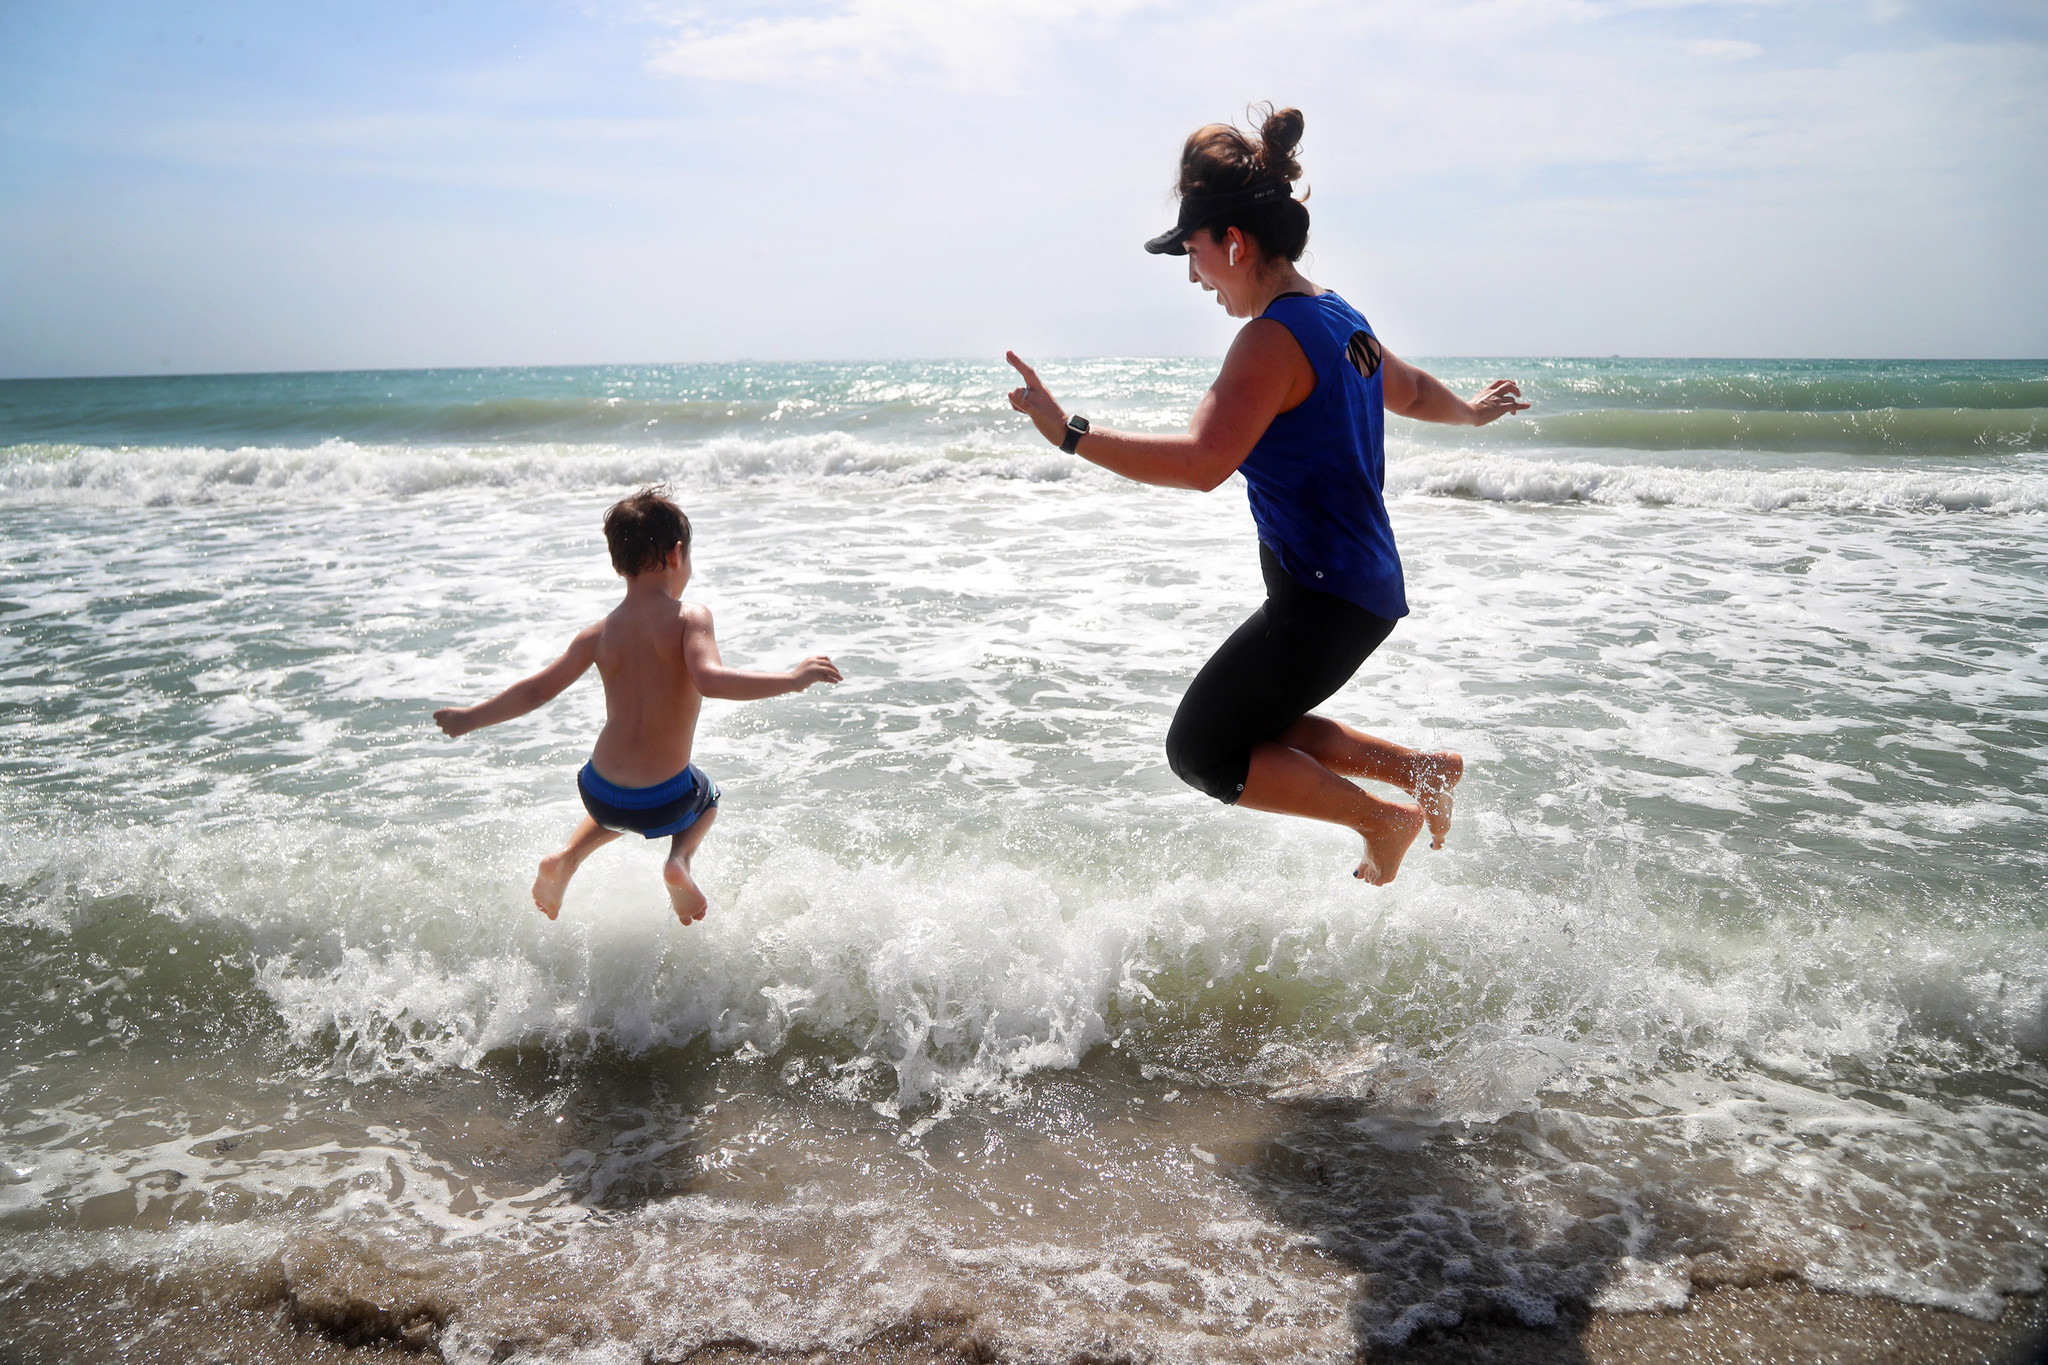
<point>651,703</point>
<point>652,654</point>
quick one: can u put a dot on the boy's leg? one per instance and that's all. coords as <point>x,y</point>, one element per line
<point>683,894</point>
<point>557,868</point>
<point>1288,781</point>
<point>1427,775</point>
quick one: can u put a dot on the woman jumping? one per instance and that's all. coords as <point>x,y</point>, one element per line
<point>1299,408</point>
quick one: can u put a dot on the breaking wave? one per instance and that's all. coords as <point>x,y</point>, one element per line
<point>344,471</point>
<point>1496,477</point>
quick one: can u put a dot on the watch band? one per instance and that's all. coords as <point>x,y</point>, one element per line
<point>1077,427</point>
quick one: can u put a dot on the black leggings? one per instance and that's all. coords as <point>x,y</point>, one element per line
<point>1290,655</point>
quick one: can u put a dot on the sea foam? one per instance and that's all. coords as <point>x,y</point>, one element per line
<point>345,471</point>
<point>1519,478</point>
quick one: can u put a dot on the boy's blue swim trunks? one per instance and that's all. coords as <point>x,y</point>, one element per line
<point>667,808</point>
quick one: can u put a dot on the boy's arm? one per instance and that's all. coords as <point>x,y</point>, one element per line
<point>528,693</point>
<point>714,679</point>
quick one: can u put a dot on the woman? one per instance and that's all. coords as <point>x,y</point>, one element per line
<point>1299,410</point>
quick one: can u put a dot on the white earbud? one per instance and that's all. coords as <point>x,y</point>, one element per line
<point>1233,253</point>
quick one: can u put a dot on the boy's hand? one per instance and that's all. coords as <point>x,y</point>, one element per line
<point>454,721</point>
<point>815,669</point>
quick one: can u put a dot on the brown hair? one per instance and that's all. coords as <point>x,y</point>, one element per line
<point>1219,158</point>
<point>642,529</point>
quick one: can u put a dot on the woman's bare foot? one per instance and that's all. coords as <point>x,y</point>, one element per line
<point>1386,840</point>
<point>683,894</point>
<point>1436,778</point>
<point>552,883</point>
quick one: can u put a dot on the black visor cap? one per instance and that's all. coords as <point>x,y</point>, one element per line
<point>1197,211</point>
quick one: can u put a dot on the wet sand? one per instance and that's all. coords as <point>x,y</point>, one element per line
<point>1782,1324</point>
<point>1769,1325</point>
<point>1775,1324</point>
<point>320,1320</point>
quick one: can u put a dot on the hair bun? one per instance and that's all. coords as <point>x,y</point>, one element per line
<point>1220,159</point>
<point>1279,134</point>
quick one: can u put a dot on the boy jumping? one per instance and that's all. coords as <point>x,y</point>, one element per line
<point>659,660</point>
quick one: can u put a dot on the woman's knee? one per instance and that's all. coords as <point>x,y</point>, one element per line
<point>1215,770</point>
<point>1180,751</point>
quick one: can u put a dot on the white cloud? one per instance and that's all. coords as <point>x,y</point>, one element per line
<point>1502,92</point>
<point>970,46</point>
<point>1496,89</point>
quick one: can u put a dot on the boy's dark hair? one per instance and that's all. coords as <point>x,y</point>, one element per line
<point>642,529</point>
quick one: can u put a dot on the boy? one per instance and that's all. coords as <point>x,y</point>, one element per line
<point>659,660</point>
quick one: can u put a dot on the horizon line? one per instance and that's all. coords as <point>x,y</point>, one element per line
<point>960,360</point>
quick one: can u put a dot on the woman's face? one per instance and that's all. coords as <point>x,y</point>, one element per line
<point>1210,265</point>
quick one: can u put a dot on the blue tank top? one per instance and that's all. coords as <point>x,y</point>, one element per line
<point>1317,476</point>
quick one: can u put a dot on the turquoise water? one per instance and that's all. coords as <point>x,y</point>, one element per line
<point>1902,407</point>
<point>1736,965</point>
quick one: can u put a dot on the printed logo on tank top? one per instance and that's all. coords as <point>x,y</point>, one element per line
<point>1364,352</point>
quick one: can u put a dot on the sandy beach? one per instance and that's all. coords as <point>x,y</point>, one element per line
<point>314,1320</point>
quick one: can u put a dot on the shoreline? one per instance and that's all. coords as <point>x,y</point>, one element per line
<point>1784,1323</point>
<point>271,1319</point>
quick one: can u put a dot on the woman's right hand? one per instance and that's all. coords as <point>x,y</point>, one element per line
<point>1034,402</point>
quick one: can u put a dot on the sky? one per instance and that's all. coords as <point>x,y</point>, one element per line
<point>214,187</point>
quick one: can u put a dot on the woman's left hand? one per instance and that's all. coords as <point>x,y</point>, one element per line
<point>1034,402</point>
<point>1501,397</point>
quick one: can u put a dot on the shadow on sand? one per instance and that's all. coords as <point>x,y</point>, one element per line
<point>1442,1248</point>
<point>1456,1269</point>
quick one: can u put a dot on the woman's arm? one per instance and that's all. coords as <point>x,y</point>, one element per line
<point>1264,375</point>
<point>1411,392</point>
<point>714,679</point>
<point>527,694</point>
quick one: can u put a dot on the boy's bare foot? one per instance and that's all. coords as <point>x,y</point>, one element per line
<point>1386,841</point>
<point>557,868</point>
<point>552,883</point>
<point>1436,777</point>
<point>683,894</point>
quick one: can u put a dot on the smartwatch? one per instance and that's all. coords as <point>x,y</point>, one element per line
<point>1077,427</point>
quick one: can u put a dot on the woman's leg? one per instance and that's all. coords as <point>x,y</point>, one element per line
<point>1430,776</point>
<point>1287,781</point>
<point>1243,733</point>
<point>1237,699</point>
<point>557,868</point>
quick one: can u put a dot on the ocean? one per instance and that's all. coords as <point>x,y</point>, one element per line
<point>1734,970</point>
